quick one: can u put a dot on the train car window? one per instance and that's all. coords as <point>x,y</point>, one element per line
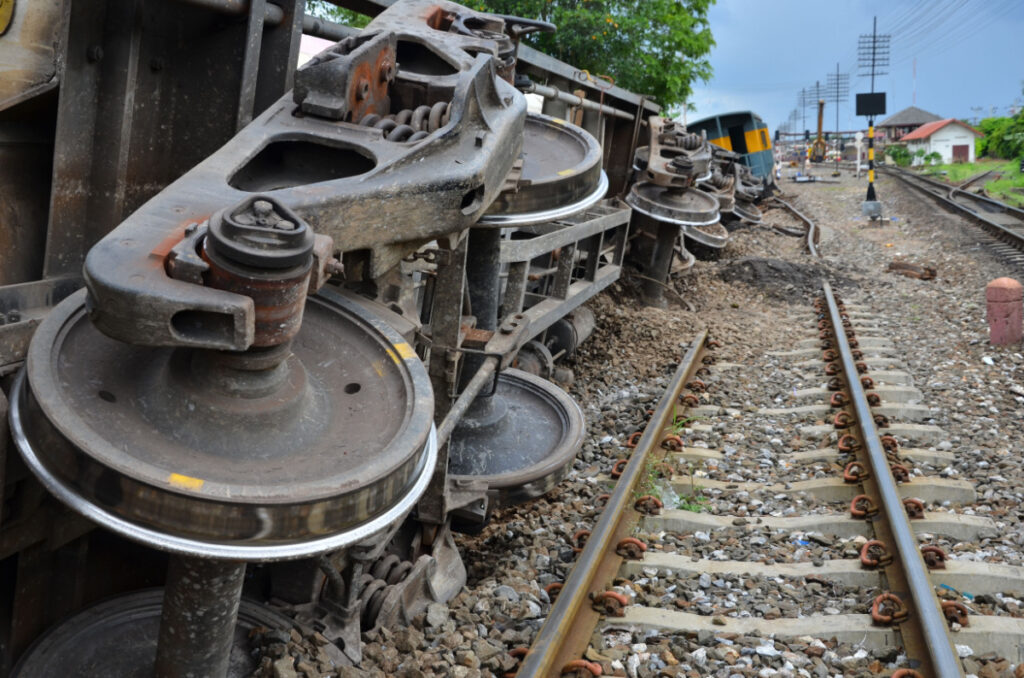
<point>764,139</point>
<point>738,139</point>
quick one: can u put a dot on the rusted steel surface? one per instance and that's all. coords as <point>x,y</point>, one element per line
<point>925,636</point>
<point>567,631</point>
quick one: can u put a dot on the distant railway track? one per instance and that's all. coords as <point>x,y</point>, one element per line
<point>1002,222</point>
<point>811,234</point>
<point>870,414</point>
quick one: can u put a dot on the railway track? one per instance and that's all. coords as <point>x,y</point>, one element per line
<point>883,578</point>
<point>811,234</point>
<point>1003,223</point>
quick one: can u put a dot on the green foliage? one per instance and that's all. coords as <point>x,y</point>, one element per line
<point>1004,137</point>
<point>933,158</point>
<point>900,155</point>
<point>654,47</point>
<point>325,10</point>
<point>658,48</point>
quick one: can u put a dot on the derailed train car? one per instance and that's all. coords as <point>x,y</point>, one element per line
<point>269,336</point>
<point>743,133</point>
<point>259,326</point>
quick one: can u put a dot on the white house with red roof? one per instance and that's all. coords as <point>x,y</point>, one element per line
<point>951,138</point>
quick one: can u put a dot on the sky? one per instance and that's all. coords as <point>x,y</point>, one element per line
<point>970,55</point>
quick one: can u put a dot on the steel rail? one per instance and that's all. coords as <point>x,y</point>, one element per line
<point>921,183</point>
<point>813,234</point>
<point>945,663</point>
<point>562,638</point>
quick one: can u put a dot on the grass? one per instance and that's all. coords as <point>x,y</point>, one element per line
<point>1001,189</point>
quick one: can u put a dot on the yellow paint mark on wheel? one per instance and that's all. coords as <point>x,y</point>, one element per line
<point>185,482</point>
<point>378,365</point>
<point>565,173</point>
<point>405,351</point>
<point>6,15</point>
<point>558,120</point>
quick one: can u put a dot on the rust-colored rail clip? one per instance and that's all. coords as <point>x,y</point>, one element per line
<point>838,399</point>
<point>581,668</point>
<point>649,504</point>
<point>633,439</point>
<point>881,421</point>
<point>900,473</point>
<point>617,468</point>
<point>934,557</point>
<point>631,548</point>
<point>579,540</point>
<point>672,442</point>
<point>955,612</point>
<point>832,368</point>
<point>914,508</point>
<point>855,472</point>
<point>887,609</point>
<point>847,444</point>
<point>862,507</point>
<point>834,384</point>
<point>611,603</point>
<point>874,554</point>
<point>553,589</point>
<point>889,443</point>
<point>843,419</point>
<point>697,385</point>
<point>690,400</point>
<point>516,653</point>
<point>873,399</point>
<point>906,673</point>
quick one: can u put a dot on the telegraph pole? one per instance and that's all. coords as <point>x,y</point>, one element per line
<point>872,56</point>
<point>838,86</point>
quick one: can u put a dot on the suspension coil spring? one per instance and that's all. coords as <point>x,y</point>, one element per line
<point>376,584</point>
<point>410,124</point>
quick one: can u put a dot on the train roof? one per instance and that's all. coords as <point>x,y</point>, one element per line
<point>727,115</point>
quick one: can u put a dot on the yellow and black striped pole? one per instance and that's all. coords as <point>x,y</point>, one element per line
<point>871,160</point>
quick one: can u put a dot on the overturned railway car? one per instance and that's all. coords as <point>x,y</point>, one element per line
<point>259,325</point>
<point>743,133</point>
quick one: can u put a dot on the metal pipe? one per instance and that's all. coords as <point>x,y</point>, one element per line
<point>274,15</point>
<point>549,92</point>
<point>945,663</point>
<point>197,621</point>
<point>542,659</point>
<point>469,393</point>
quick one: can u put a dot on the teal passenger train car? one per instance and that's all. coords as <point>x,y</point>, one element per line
<point>742,132</point>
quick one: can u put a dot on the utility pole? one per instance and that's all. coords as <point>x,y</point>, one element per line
<point>838,86</point>
<point>872,57</point>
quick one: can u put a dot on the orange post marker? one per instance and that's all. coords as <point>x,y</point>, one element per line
<point>1004,311</point>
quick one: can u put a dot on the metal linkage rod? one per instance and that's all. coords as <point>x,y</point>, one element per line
<point>549,92</point>
<point>945,663</point>
<point>274,15</point>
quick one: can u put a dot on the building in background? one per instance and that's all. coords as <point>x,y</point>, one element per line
<point>951,138</point>
<point>899,124</point>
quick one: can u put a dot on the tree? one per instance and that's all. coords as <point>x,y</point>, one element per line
<point>899,154</point>
<point>658,48</point>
